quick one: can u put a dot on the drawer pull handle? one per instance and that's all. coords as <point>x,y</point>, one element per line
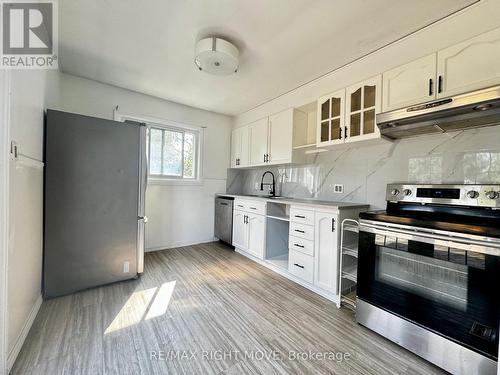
<point>300,231</point>
<point>253,208</point>
<point>240,205</point>
<point>298,265</point>
<point>300,216</point>
<point>296,244</point>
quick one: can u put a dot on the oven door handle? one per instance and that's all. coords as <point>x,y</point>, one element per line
<point>435,239</point>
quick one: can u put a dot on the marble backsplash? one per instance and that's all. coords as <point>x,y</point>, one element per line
<point>470,156</point>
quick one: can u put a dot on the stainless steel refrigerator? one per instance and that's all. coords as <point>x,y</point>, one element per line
<point>94,198</point>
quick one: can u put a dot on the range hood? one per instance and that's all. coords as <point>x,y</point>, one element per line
<point>474,109</point>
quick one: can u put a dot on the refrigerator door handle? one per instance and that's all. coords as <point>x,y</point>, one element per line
<point>140,244</point>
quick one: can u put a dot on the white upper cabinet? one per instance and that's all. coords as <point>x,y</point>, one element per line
<point>331,122</point>
<point>409,84</point>
<point>280,137</point>
<point>269,140</point>
<point>470,65</point>
<point>363,102</point>
<point>239,147</point>
<point>235,145</point>
<point>326,251</point>
<point>258,135</point>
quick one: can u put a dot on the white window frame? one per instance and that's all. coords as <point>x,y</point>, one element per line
<point>162,124</point>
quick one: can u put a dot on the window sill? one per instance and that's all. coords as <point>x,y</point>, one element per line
<point>165,181</point>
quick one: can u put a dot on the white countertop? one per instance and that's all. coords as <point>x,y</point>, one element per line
<point>294,201</point>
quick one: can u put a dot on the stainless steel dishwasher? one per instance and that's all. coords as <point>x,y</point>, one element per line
<point>224,219</point>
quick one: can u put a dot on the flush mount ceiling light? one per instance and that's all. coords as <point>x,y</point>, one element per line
<point>216,56</point>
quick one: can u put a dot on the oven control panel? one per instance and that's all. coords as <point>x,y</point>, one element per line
<point>460,195</point>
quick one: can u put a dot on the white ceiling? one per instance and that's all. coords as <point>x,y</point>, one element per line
<point>148,46</point>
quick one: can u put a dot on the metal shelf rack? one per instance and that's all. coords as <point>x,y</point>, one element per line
<point>348,275</point>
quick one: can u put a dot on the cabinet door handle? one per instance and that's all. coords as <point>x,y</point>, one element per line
<point>340,133</point>
<point>333,225</point>
<point>346,134</point>
<point>298,265</point>
<point>268,158</point>
<point>440,84</point>
<point>430,86</point>
<point>300,216</point>
<point>264,158</point>
<point>301,246</point>
<point>300,231</point>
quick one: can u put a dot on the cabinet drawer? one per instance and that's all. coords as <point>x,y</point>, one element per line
<point>301,216</point>
<point>256,207</point>
<point>301,245</point>
<point>301,265</point>
<point>240,205</point>
<point>250,206</point>
<point>302,231</point>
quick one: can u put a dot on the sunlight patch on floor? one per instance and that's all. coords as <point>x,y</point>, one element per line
<point>143,304</point>
<point>160,302</point>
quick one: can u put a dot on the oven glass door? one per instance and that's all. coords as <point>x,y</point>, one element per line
<point>435,284</point>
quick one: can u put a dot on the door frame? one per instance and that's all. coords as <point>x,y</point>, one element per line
<point>4,211</point>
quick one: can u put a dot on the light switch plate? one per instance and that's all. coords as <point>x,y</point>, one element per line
<point>338,188</point>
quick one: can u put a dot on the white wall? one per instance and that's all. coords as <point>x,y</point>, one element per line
<point>177,215</point>
<point>461,26</point>
<point>28,93</point>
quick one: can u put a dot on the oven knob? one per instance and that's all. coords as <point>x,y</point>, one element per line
<point>407,192</point>
<point>492,194</point>
<point>395,192</point>
<point>472,194</point>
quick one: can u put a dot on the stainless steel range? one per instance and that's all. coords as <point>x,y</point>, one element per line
<point>429,273</point>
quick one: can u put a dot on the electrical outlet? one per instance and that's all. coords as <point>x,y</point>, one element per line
<point>338,188</point>
<point>257,186</point>
<point>126,267</point>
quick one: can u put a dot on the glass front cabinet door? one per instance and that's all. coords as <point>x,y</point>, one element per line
<point>363,102</point>
<point>331,121</point>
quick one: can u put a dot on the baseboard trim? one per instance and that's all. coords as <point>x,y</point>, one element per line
<point>177,244</point>
<point>11,358</point>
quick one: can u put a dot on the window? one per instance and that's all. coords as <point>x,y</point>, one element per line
<point>173,153</point>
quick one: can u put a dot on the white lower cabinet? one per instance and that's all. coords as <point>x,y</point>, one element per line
<point>301,265</point>
<point>256,235</point>
<point>249,228</point>
<point>240,230</point>
<point>326,251</point>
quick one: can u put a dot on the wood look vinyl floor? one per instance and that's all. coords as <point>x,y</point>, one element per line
<point>205,309</point>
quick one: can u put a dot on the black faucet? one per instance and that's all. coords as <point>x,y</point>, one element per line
<point>273,185</point>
